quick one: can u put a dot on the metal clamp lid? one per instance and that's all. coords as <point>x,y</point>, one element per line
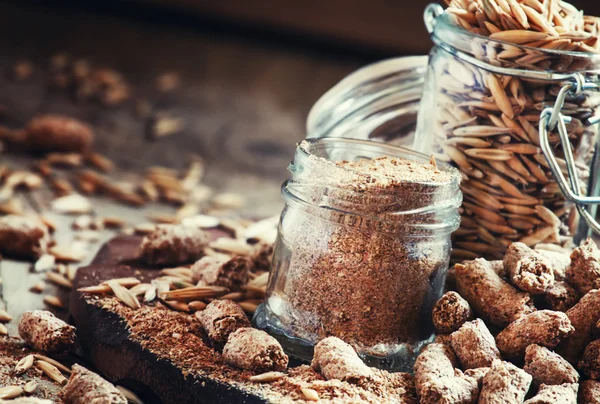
<point>551,119</point>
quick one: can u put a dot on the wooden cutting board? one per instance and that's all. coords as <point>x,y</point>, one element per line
<point>105,343</point>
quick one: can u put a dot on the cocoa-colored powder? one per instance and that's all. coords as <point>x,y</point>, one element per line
<point>180,344</point>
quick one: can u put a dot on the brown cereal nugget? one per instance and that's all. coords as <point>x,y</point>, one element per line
<point>584,270</point>
<point>23,237</point>
<point>252,349</point>
<point>547,367</point>
<point>445,339</point>
<point>491,297</point>
<point>544,327</point>
<point>450,313</point>
<point>437,381</point>
<point>335,359</point>
<point>504,384</point>
<point>57,133</point>
<point>561,296</point>
<point>527,269</point>
<point>498,268</point>
<point>45,332</point>
<point>207,263</point>
<point>85,387</point>
<point>559,261</point>
<point>435,361</point>
<point>474,345</point>
<point>555,394</point>
<point>231,273</point>
<point>173,244</point>
<point>590,362</point>
<point>583,317</point>
<point>589,392</point>
<point>451,390</point>
<point>220,318</point>
<point>477,374</point>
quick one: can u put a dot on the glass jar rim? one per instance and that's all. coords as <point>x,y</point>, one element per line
<point>449,223</point>
<point>447,34</point>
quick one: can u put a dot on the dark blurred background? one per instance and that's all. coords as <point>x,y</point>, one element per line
<point>248,73</point>
<point>385,27</point>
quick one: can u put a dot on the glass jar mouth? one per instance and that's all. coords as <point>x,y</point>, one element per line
<point>453,38</point>
<point>311,152</point>
<point>447,221</point>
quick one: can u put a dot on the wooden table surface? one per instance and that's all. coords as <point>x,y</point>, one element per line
<point>244,101</point>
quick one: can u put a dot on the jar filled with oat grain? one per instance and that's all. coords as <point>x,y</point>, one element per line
<point>362,250</point>
<point>511,99</point>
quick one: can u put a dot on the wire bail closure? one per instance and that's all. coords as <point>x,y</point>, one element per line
<point>551,119</point>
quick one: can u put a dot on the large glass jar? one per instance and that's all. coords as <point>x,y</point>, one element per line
<point>360,262</point>
<point>481,110</point>
<point>378,102</point>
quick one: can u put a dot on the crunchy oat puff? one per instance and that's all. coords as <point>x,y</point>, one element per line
<point>45,332</point>
<point>474,345</point>
<point>173,244</point>
<point>545,327</point>
<point>255,350</point>
<point>23,237</point>
<point>335,359</point>
<point>498,267</point>
<point>583,318</point>
<point>590,362</point>
<point>86,387</point>
<point>560,393</point>
<point>445,339</point>
<point>456,390</point>
<point>494,299</point>
<point>231,273</point>
<point>56,133</point>
<point>450,312</point>
<point>477,374</point>
<point>589,392</point>
<point>527,269</point>
<point>559,261</point>
<point>547,367</point>
<point>436,379</point>
<point>561,296</point>
<point>504,384</point>
<point>221,318</point>
<point>435,361</point>
<point>584,271</point>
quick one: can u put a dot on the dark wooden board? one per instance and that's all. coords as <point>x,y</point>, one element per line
<point>105,343</point>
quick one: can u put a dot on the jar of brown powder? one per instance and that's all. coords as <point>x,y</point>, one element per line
<point>362,250</point>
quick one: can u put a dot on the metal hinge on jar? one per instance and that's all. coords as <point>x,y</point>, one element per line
<point>551,119</point>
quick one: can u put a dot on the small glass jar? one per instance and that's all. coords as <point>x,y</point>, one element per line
<point>378,102</point>
<point>482,107</point>
<point>361,263</point>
